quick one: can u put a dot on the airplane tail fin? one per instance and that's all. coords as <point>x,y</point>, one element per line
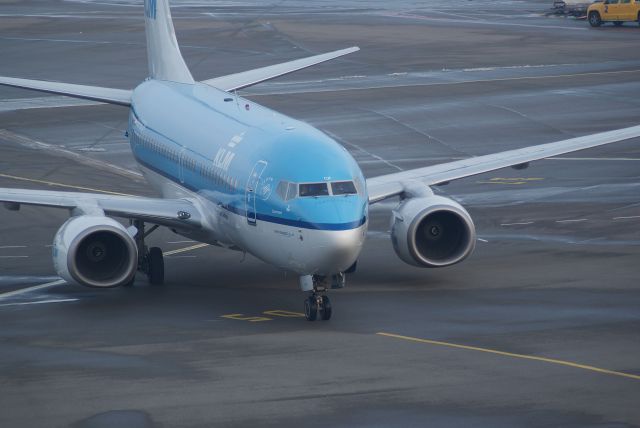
<point>165,59</point>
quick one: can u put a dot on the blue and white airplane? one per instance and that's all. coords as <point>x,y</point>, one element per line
<point>238,175</point>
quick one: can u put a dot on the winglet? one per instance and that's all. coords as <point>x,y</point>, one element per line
<point>163,52</point>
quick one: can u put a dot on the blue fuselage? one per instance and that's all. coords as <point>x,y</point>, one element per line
<point>267,182</point>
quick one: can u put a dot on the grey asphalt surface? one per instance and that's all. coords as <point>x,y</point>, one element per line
<point>552,289</point>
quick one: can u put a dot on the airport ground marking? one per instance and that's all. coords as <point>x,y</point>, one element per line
<point>593,159</point>
<point>522,223</point>
<point>69,154</point>
<point>577,220</point>
<point>626,217</point>
<point>280,313</point>
<point>34,288</point>
<point>182,250</point>
<point>39,302</point>
<point>242,317</point>
<point>511,181</point>
<point>283,314</point>
<point>68,186</point>
<point>511,354</point>
<point>462,82</point>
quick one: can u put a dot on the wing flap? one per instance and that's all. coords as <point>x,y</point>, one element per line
<point>180,213</point>
<point>248,78</point>
<point>95,93</point>
<point>386,186</point>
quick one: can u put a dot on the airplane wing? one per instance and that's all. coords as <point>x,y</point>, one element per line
<point>95,93</point>
<point>245,79</point>
<point>175,213</point>
<point>386,186</point>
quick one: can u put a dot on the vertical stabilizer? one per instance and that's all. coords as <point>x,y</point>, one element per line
<point>165,59</point>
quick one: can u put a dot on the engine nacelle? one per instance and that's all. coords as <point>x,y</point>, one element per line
<point>432,231</point>
<point>95,251</point>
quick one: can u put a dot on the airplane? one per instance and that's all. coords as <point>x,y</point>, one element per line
<point>238,175</point>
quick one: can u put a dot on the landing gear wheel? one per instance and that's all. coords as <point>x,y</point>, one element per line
<point>156,266</point>
<point>594,19</point>
<point>325,310</point>
<point>311,308</point>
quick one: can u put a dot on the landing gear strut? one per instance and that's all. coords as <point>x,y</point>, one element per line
<point>318,302</point>
<point>150,260</point>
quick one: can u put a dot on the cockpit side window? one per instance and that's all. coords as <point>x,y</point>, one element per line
<point>287,190</point>
<point>313,189</point>
<point>343,188</point>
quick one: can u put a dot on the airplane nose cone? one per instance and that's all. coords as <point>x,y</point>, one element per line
<point>336,251</point>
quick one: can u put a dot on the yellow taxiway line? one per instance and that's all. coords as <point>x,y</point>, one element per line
<point>182,250</point>
<point>510,354</point>
<point>68,186</point>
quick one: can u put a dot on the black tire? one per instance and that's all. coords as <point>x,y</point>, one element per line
<point>311,308</point>
<point>617,23</point>
<point>156,266</point>
<point>326,310</point>
<point>638,18</point>
<point>594,19</point>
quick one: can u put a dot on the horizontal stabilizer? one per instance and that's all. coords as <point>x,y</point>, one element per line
<point>106,95</point>
<point>245,79</point>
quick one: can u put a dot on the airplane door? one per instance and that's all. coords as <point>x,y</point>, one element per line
<point>181,161</point>
<point>251,190</point>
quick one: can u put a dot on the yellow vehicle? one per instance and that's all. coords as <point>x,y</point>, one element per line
<point>616,11</point>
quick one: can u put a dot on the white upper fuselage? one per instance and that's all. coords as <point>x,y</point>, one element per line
<point>267,184</point>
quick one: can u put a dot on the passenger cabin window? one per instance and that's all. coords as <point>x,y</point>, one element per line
<point>343,188</point>
<point>313,189</point>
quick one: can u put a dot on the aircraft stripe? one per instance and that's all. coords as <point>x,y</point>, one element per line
<point>260,216</point>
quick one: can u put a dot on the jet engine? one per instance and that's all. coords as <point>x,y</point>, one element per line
<point>432,231</point>
<point>95,251</point>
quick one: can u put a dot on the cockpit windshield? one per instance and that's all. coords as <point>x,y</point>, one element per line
<point>288,190</point>
<point>313,189</point>
<point>343,188</point>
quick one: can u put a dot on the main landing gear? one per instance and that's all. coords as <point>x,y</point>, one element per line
<point>318,303</point>
<point>150,260</point>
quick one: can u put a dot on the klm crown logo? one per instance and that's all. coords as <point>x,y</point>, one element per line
<point>150,8</point>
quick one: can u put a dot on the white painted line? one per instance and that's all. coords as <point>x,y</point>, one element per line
<point>14,257</point>
<point>515,224</point>
<point>39,302</point>
<point>626,217</point>
<point>595,159</point>
<point>482,240</point>
<point>34,288</point>
<point>91,162</point>
<point>13,246</point>
<point>571,221</point>
<point>181,242</point>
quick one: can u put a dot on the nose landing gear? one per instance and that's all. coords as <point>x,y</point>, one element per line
<point>318,302</point>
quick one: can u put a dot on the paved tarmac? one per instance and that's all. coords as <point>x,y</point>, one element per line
<point>540,327</point>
